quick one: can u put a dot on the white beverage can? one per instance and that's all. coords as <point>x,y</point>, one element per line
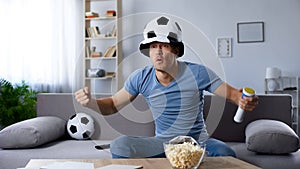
<point>239,115</point>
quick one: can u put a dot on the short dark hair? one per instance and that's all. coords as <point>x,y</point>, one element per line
<point>175,48</point>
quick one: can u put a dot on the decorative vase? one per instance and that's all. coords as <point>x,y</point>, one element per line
<point>273,85</point>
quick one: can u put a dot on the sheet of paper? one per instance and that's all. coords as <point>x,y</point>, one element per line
<point>69,165</point>
<point>120,166</point>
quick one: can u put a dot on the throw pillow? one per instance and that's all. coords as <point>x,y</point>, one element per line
<point>32,132</point>
<point>271,137</point>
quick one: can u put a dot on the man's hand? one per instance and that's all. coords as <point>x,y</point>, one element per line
<point>248,103</point>
<point>235,95</point>
<point>83,96</point>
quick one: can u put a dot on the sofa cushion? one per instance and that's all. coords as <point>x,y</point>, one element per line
<point>32,132</point>
<point>271,137</point>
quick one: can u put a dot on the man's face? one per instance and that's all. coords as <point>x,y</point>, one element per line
<point>162,56</point>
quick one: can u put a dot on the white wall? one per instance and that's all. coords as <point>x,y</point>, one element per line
<point>218,18</point>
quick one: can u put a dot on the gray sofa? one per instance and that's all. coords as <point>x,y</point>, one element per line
<point>136,119</point>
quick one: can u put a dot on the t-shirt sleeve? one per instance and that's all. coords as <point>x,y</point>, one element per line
<point>132,83</point>
<point>215,83</point>
<point>210,80</point>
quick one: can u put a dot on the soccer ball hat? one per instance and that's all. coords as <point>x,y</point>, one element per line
<point>162,29</point>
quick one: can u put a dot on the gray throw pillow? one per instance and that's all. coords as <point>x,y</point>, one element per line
<point>271,137</point>
<point>32,132</point>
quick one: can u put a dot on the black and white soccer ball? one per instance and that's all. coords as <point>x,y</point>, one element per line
<point>80,126</point>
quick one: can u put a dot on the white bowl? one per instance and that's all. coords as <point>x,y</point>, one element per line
<point>184,152</point>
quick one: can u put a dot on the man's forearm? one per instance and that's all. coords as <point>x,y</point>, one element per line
<point>104,106</point>
<point>228,92</point>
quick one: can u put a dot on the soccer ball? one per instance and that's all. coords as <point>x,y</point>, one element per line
<point>80,126</point>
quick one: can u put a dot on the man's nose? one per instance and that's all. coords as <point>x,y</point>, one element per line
<point>159,49</point>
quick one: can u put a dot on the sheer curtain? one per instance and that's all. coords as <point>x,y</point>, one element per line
<point>41,43</point>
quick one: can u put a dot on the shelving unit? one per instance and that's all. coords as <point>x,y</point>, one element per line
<point>287,85</point>
<point>102,30</point>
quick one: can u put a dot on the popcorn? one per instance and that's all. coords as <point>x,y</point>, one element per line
<point>183,156</point>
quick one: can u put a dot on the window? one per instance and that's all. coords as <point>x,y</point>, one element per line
<point>41,43</point>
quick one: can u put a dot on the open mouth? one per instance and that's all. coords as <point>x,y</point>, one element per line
<point>158,60</point>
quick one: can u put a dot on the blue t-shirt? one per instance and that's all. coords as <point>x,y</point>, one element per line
<point>176,108</point>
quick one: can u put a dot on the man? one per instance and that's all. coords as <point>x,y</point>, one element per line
<point>174,92</point>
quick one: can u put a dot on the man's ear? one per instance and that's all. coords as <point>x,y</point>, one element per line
<point>175,50</point>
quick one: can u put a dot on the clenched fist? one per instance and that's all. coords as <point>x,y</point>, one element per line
<point>83,96</point>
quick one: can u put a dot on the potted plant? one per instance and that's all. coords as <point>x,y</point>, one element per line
<point>17,102</point>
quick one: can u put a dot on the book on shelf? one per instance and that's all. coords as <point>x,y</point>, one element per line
<point>110,52</point>
<point>96,54</point>
<point>88,33</point>
<point>111,13</point>
<point>91,14</point>
<point>114,31</point>
<point>87,51</point>
<point>93,32</point>
<point>96,31</point>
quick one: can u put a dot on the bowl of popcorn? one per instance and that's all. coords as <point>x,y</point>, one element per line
<point>184,152</point>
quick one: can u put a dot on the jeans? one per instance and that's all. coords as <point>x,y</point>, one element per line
<point>152,147</point>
